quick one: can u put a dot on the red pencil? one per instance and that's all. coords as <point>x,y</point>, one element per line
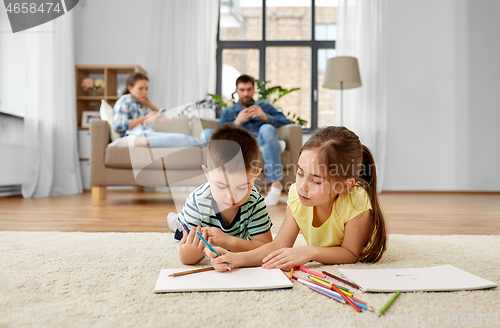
<point>314,273</point>
<point>348,300</point>
<point>342,280</point>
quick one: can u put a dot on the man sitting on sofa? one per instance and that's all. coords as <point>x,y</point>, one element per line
<point>261,119</point>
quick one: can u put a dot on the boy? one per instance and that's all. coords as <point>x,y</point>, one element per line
<point>227,210</point>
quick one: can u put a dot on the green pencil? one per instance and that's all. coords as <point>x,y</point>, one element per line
<point>389,303</point>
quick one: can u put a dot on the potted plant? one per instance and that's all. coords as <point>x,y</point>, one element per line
<point>94,87</point>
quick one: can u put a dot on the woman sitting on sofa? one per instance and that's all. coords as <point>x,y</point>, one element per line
<point>132,111</point>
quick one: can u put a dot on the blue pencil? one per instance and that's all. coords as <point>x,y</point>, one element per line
<point>210,247</point>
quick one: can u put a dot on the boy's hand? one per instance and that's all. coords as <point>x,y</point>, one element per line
<point>217,237</point>
<point>287,258</point>
<point>191,246</point>
<point>225,256</point>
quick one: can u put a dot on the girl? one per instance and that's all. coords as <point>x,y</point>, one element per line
<point>131,110</point>
<point>333,203</point>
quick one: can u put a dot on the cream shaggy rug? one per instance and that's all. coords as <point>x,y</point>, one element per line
<point>56,279</point>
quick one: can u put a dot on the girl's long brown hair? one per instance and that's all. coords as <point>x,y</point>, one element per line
<point>134,77</point>
<point>342,152</point>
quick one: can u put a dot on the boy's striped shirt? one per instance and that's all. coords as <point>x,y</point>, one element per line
<point>251,219</point>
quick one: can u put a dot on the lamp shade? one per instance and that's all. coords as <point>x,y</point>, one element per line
<point>342,69</point>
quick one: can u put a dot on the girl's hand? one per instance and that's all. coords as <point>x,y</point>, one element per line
<point>287,258</point>
<point>225,256</point>
<point>216,237</point>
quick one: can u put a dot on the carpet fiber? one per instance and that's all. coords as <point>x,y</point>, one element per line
<point>56,279</point>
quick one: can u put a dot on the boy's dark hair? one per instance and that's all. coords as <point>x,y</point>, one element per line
<point>233,148</point>
<point>245,79</point>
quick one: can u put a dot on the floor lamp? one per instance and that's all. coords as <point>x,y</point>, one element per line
<point>341,73</point>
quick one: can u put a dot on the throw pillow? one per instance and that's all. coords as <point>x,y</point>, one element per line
<point>106,112</point>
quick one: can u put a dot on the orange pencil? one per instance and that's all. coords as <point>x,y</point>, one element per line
<point>190,272</point>
<point>291,274</point>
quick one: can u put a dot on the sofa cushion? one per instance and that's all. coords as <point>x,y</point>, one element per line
<point>199,124</point>
<point>286,160</point>
<point>175,125</point>
<point>107,114</point>
<point>140,158</point>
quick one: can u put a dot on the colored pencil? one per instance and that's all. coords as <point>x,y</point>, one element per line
<point>326,294</point>
<point>326,283</point>
<point>362,306</point>
<point>356,301</point>
<point>190,271</point>
<point>314,284</point>
<point>314,273</point>
<point>347,299</point>
<point>393,298</point>
<point>308,283</point>
<point>211,248</point>
<point>291,274</point>
<point>338,286</point>
<point>318,284</point>
<point>334,294</point>
<point>342,280</point>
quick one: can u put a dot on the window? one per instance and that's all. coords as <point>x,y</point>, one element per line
<point>286,42</point>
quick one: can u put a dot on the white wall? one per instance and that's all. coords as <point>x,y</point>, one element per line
<point>115,32</point>
<point>484,95</point>
<point>443,95</point>
<point>112,32</point>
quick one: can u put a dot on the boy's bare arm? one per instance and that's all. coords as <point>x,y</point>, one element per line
<point>242,245</point>
<point>235,244</point>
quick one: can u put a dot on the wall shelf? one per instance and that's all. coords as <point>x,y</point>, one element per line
<point>110,75</point>
<point>114,76</point>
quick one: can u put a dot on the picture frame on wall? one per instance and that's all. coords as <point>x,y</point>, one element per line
<point>87,117</point>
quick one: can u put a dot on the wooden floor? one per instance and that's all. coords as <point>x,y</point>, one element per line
<point>126,211</point>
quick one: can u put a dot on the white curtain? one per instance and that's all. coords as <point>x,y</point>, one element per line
<point>361,34</point>
<point>181,55</point>
<point>51,165</point>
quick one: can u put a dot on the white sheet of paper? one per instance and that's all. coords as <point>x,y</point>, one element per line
<point>239,279</point>
<point>439,278</point>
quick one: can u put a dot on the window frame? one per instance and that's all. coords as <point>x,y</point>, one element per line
<point>261,45</point>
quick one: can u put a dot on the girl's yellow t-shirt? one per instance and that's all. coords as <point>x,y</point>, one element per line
<point>331,232</point>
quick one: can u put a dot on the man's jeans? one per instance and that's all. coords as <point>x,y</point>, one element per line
<point>271,151</point>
